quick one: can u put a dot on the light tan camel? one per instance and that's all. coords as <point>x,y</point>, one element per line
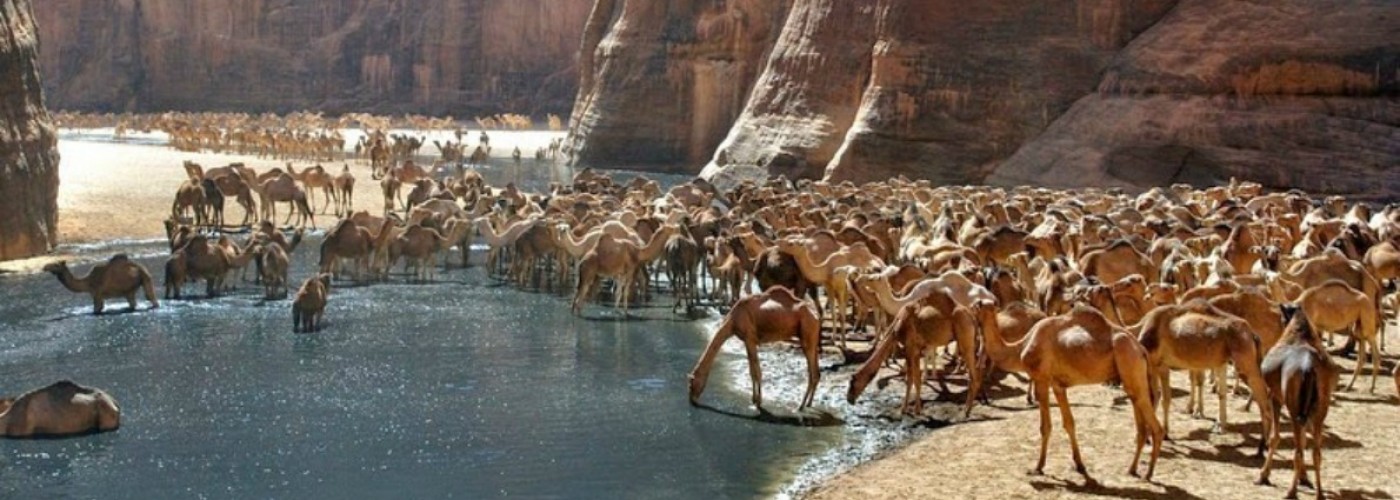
<point>773,315</point>
<point>499,240</point>
<point>831,273</point>
<point>1078,348</point>
<point>1334,307</point>
<point>61,409</point>
<point>1117,261</point>
<point>620,260</point>
<point>343,191</point>
<point>313,178</point>
<point>932,322</point>
<point>390,187</point>
<point>118,277</point>
<point>310,304</point>
<point>1196,336</point>
<point>283,189</point>
<point>1301,378</point>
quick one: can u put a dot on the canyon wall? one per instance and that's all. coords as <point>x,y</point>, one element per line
<point>28,146</point>
<point>1057,92</point>
<point>437,57</point>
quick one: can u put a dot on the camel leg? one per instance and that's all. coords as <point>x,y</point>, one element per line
<point>1067,420</point>
<point>97,304</point>
<point>1164,379</point>
<point>914,381</point>
<point>1042,398</point>
<point>1220,391</point>
<point>811,344</point>
<point>1317,435</point>
<point>1360,364</point>
<point>1375,363</point>
<point>755,372</point>
<point>1272,432</point>
<point>1299,442</point>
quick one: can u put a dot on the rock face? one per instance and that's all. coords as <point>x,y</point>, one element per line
<point>388,56</point>
<point>28,146</point>
<point>1060,92</point>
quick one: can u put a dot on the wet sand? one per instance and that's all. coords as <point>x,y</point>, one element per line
<point>990,455</point>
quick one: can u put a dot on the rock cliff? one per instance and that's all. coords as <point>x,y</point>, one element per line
<point>28,146</point>
<point>1060,92</point>
<point>388,56</point>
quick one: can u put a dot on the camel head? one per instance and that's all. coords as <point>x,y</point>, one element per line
<point>56,268</point>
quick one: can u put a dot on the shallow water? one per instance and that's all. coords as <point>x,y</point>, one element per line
<point>463,388</point>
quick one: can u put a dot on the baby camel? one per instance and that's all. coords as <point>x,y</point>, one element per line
<point>773,315</point>
<point>310,304</point>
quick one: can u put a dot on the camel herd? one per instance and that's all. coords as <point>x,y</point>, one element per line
<point>1064,288</point>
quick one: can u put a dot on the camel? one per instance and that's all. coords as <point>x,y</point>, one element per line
<point>507,237</point>
<point>118,277</point>
<point>620,260</point>
<point>283,189</point>
<point>390,186</point>
<point>683,256</point>
<point>1078,348</point>
<point>189,198</point>
<point>773,315</point>
<point>1334,306</point>
<point>237,187</point>
<point>273,263</point>
<point>1117,261</point>
<point>1301,377</point>
<point>832,273</point>
<point>198,259</point>
<point>931,322</point>
<point>349,241</point>
<point>1196,336</point>
<point>419,245</point>
<point>213,204</point>
<point>343,191</point>
<point>313,178</point>
<point>310,304</point>
<point>61,409</point>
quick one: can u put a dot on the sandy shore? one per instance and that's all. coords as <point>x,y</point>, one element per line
<point>990,455</point>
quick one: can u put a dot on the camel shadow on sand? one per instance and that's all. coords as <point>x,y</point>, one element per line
<point>1092,487</point>
<point>813,418</point>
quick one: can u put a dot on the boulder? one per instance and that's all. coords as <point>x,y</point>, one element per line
<point>28,146</point>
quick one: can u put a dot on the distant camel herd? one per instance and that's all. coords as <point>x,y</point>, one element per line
<point>1066,288</point>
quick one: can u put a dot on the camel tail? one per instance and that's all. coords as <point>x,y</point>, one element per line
<point>1308,398</point>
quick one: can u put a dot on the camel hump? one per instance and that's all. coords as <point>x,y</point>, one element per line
<point>118,258</point>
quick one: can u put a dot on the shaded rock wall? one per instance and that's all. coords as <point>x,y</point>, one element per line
<point>1060,92</point>
<point>389,56</point>
<point>28,146</point>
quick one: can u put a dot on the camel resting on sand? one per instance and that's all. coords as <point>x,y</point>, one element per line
<point>118,277</point>
<point>773,315</point>
<point>61,409</point>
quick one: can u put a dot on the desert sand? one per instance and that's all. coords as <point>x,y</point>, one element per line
<point>990,455</point>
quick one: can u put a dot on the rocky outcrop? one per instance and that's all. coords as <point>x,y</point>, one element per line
<point>387,56</point>
<point>1296,94</point>
<point>662,82</point>
<point>28,146</point>
<point>1060,92</point>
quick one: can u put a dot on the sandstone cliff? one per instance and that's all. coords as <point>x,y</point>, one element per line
<point>1061,92</point>
<point>389,56</point>
<point>28,146</point>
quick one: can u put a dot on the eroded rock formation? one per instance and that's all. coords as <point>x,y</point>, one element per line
<point>1060,92</point>
<point>28,146</point>
<point>388,56</point>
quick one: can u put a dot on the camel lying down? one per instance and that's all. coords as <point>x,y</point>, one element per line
<point>61,409</point>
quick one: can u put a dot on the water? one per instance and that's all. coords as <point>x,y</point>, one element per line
<point>464,388</point>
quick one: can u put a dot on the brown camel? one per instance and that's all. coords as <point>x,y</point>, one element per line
<point>1333,307</point>
<point>1196,336</point>
<point>1117,261</point>
<point>348,240</point>
<point>931,322</point>
<point>1078,348</point>
<point>189,199</point>
<point>1301,378</point>
<point>61,409</point>
<point>310,304</point>
<point>198,259</point>
<point>832,273</point>
<point>313,178</point>
<point>419,246</point>
<point>118,277</point>
<point>774,315</point>
<point>273,262</point>
<point>390,186</point>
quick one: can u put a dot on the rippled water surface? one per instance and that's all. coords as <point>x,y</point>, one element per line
<point>462,388</point>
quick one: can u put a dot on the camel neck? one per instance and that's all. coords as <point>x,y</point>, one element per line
<point>1005,356</point>
<point>72,283</point>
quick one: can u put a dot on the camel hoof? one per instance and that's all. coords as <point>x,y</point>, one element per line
<point>1035,472</point>
<point>1081,470</point>
<point>1263,481</point>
